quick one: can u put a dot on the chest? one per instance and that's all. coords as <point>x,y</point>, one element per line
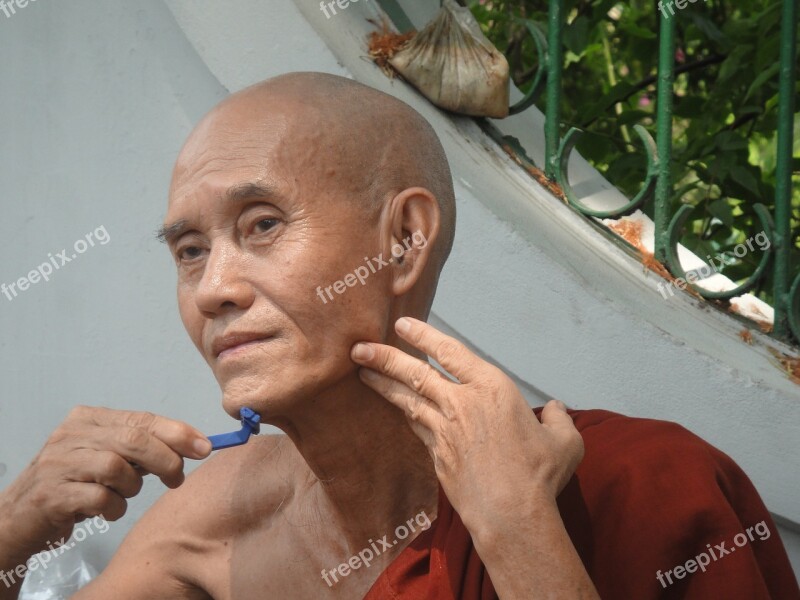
<point>284,563</point>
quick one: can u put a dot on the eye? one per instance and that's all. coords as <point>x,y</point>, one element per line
<point>265,225</point>
<point>188,253</point>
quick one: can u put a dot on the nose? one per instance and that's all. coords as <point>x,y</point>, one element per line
<point>224,285</point>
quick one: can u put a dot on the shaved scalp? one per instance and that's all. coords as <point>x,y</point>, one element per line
<point>371,145</point>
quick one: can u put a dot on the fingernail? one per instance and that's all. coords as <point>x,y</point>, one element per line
<point>202,447</point>
<point>368,374</point>
<point>363,352</point>
<point>561,405</point>
<point>402,325</point>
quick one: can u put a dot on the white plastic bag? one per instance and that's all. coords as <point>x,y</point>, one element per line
<point>59,578</point>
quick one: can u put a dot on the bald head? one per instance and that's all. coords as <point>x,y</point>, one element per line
<point>363,142</point>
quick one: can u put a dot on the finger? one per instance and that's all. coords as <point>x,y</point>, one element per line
<point>555,416</point>
<point>140,470</point>
<point>423,433</point>
<point>147,451</point>
<point>454,356</point>
<point>92,499</point>
<point>181,437</point>
<point>419,376</point>
<point>417,408</point>
<point>108,469</point>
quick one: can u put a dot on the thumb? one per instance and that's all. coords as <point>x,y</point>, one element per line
<point>554,414</point>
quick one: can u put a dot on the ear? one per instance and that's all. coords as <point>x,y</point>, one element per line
<point>411,229</point>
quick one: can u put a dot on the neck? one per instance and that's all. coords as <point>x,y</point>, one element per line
<point>367,468</point>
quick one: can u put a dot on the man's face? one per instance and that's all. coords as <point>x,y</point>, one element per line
<point>260,227</point>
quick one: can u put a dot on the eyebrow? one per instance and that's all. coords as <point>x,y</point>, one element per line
<point>238,193</point>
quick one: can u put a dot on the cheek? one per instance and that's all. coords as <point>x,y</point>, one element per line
<point>324,332</point>
<point>190,317</point>
<point>360,314</point>
<point>355,283</point>
<point>330,293</point>
<point>327,279</point>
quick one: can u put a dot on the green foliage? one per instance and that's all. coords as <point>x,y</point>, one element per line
<point>725,112</point>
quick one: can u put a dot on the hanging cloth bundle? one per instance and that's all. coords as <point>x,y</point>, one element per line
<point>453,64</point>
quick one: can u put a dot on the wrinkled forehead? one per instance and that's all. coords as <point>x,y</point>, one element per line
<point>242,143</point>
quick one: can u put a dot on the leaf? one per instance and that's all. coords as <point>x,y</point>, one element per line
<point>750,108</point>
<point>576,35</point>
<point>595,147</point>
<point>633,116</point>
<point>767,52</point>
<point>762,78</point>
<point>689,106</point>
<point>769,18</point>
<point>730,141</point>
<point>640,32</point>
<point>722,211</point>
<point>625,165</point>
<point>721,166</point>
<point>744,178</point>
<point>705,25</point>
<point>616,94</point>
<point>730,65</point>
<point>685,189</point>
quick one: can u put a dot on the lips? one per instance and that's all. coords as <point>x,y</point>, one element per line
<point>236,340</point>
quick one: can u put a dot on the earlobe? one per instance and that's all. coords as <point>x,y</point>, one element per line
<point>413,225</point>
<point>410,265</point>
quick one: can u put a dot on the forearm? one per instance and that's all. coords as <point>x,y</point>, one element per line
<point>15,550</point>
<point>533,557</point>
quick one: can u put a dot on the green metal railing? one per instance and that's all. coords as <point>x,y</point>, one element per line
<point>658,180</point>
<point>786,300</point>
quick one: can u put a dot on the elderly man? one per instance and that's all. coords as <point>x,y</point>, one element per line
<point>392,480</point>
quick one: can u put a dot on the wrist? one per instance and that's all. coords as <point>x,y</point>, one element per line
<point>16,544</point>
<point>529,515</point>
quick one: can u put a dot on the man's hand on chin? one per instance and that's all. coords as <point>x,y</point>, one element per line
<point>499,466</point>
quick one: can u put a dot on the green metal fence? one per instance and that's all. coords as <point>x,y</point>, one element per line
<point>658,183</point>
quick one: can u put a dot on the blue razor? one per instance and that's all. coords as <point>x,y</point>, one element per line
<point>251,425</point>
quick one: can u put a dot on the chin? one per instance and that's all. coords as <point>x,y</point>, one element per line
<point>232,403</point>
<point>272,393</point>
<point>264,397</point>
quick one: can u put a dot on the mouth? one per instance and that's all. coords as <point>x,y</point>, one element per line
<point>236,343</point>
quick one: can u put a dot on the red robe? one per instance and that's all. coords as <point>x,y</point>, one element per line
<point>648,496</point>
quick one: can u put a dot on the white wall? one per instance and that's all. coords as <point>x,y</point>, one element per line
<point>97,98</point>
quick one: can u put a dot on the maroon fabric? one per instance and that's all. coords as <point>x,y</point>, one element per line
<point>648,496</point>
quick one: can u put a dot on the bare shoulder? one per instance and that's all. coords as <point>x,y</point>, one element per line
<point>232,492</point>
<point>180,547</point>
<point>236,486</point>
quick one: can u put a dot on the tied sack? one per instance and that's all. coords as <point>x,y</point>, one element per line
<point>454,66</point>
